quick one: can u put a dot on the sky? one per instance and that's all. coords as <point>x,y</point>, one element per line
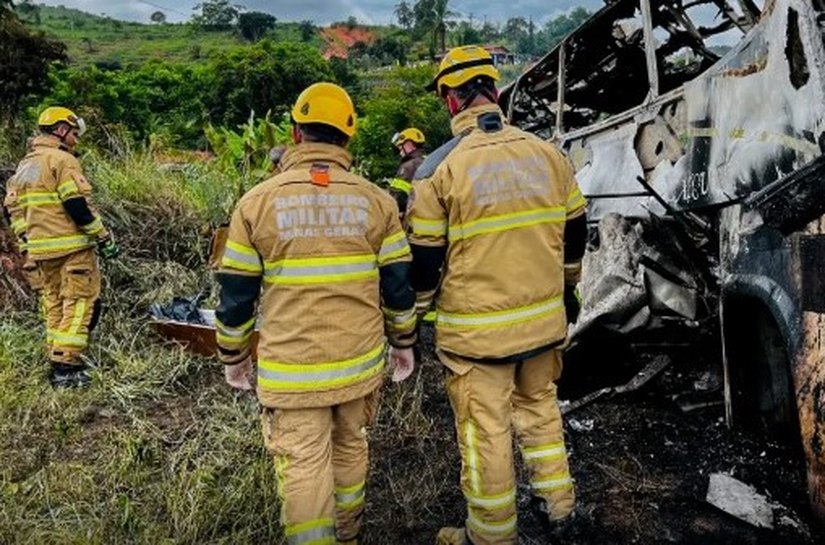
<point>327,11</point>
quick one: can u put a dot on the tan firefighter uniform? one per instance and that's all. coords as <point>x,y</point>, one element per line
<point>401,185</point>
<point>327,253</point>
<point>492,206</point>
<point>43,199</point>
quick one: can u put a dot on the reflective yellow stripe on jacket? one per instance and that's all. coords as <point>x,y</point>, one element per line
<point>502,317</point>
<point>38,198</point>
<point>18,226</point>
<point>400,320</point>
<point>235,335</point>
<point>54,244</point>
<point>292,377</point>
<point>426,227</point>
<point>320,270</point>
<point>241,257</point>
<point>94,228</point>
<point>401,184</point>
<point>394,246</point>
<point>575,200</point>
<point>506,222</point>
<point>67,190</point>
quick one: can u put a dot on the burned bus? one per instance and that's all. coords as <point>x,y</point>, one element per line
<point>696,129</point>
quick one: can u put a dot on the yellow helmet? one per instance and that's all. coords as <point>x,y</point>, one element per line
<point>412,134</point>
<point>58,114</point>
<point>325,103</point>
<point>460,65</point>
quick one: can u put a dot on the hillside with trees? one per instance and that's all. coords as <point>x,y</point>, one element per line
<point>162,84</point>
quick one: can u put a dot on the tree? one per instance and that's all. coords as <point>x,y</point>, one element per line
<point>396,100</point>
<point>255,24</point>
<point>515,29</point>
<point>556,29</point>
<point>29,12</point>
<point>25,58</point>
<point>158,17</point>
<point>307,30</point>
<point>441,21</point>
<point>261,77</point>
<point>351,22</point>
<point>405,16</point>
<point>215,14</point>
<point>489,32</point>
<point>465,34</point>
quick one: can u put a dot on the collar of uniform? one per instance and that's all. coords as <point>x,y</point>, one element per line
<point>46,141</point>
<point>307,153</point>
<point>416,153</point>
<point>467,119</point>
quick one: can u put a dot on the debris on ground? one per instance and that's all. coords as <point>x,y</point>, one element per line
<point>740,500</point>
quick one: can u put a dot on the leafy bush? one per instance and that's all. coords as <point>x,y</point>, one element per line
<point>246,153</point>
<point>158,97</point>
<point>397,100</point>
<point>263,77</point>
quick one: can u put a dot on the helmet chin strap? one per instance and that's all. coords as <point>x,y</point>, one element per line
<point>455,107</point>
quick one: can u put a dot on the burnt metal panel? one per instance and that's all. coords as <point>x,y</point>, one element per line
<point>792,202</point>
<point>812,269</point>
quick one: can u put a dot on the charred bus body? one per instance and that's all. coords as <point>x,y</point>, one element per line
<point>697,129</point>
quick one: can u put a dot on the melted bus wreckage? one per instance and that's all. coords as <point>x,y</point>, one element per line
<point>704,169</point>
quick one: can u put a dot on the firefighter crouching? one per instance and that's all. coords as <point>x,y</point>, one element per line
<point>410,146</point>
<point>499,211</point>
<point>322,254</point>
<point>49,202</point>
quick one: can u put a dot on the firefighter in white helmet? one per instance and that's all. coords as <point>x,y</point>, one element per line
<point>410,146</point>
<point>497,235</point>
<point>318,255</point>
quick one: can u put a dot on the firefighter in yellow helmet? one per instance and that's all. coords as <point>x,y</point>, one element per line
<point>410,146</point>
<point>49,202</point>
<point>497,235</point>
<point>320,253</point>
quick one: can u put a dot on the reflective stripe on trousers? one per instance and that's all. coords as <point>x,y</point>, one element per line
<point>350,497</point>
<point>313,532</point>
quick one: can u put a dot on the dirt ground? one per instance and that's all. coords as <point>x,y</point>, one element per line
<point>640,463</point>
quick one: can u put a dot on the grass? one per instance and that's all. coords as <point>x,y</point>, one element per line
<point>93,39</point>
<point>159,450</point>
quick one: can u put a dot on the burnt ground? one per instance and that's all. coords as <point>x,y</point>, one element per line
<point>641,466</point>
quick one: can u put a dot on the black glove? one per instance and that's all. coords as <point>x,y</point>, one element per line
<point>108,248</point>
<point>572,303</point>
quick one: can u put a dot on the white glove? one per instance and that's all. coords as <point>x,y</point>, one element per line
<point>402,361</point>
<point>240,375</point>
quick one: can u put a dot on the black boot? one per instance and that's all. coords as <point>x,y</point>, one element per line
<point>64,375</point>
<point>556,531</point>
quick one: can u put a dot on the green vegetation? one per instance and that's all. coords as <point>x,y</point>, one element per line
<point>110,43</point>
<point>159,450</point>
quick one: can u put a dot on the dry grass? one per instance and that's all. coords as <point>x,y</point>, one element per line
<point>159,450</point>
